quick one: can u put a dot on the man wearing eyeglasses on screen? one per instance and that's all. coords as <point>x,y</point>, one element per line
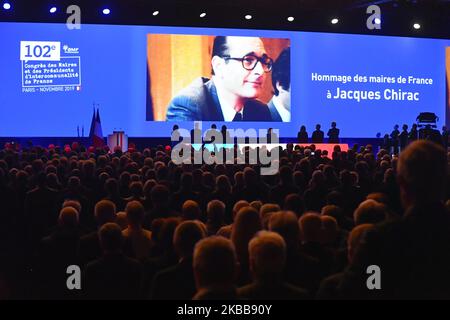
<point>240,66</point>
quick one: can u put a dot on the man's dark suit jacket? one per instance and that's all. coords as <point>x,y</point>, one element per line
<point>8,208</point>
<point>333,135</point>
<point>317,136</point>
<point>113,277</point>
<point>328,289</point>
<point>174,283</point>
<point>90,247</point>
<point>413,255</point>
<point>274,112</point>
<point>57,251</point>
<point>273,290</point>
<point>199,102</point>
<point>41,211</point>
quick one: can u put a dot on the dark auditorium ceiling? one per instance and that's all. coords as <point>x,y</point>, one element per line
<point>310,4</point>
<point>310,15</point>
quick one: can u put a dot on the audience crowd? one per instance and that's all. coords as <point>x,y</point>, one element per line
<point>141,227</point>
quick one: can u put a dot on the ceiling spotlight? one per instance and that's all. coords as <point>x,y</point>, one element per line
<point>417,26</point>
<point>290,19</point>
<point>53,9</point>
<point>106,11</point>
<point>248,17</point>
<point>6,6</point>
<point>155,13</point>
<point>334,20</point>
<point>203,14</point>
<point>377,21</point>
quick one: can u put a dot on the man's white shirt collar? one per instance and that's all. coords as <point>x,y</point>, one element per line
<point>228,111</point>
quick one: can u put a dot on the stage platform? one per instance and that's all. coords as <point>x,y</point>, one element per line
<point>269,146</point>
<point>142,143</point>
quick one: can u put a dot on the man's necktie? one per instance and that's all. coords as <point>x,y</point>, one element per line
<point>237,117</point>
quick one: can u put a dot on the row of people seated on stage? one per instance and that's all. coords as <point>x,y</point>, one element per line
<point>397,141</point>
<point>141,227</point>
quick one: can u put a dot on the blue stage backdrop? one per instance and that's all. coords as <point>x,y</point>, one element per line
<point>51,77</point>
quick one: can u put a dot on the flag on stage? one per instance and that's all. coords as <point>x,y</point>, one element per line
<point>91,131</point>
<point>96,131</point>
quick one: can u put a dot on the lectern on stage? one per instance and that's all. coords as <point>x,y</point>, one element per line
<point>118,139</point>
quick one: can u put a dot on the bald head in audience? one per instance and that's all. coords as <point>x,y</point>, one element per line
<point>311,227</point>
<point>266,211</point>
<point>215,262</point>
<point>238,206</point>
<point>378,197</point>
<point>215,210</point>
<point>335,212</point>
<point>256,204</point>
<point>293,202</point>
<point>370,211</point>
<point>121,220</point>
<point>267,253</point>
<point>285,224</point>
<point>190,210</point>
<point>105,211</point>
<point>111,238</point>
<point>135,214</point>
<point>74,204</point>
<point>68,217</point>
<point>330,229</point>
<point>246,225</point>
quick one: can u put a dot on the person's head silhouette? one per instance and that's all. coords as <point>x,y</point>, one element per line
<point>422,173</point>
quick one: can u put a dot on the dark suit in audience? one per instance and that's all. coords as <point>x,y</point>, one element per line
<point>90,247</point>
<point>57,252</point>
<point>8,215</point>
<point>279,192</point>
<point>174,283</point>
<point>8,205</point>
<point>328,289</point>
<point>41,211</point>
<point>113,277</point>
<point>413,252</point>
<point>322,254</point>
